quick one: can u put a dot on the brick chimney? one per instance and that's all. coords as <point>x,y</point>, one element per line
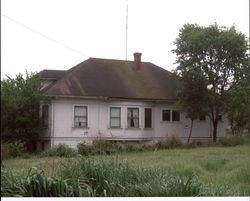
<point>137,60</point>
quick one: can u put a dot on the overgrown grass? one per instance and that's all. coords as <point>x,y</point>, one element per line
<point>37,184</point>
<point>86,178</point>
<point>219,170</point>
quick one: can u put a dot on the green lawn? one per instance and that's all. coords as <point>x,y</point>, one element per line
<point>226,168</point>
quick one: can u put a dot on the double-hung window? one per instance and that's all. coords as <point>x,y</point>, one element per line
<point>115,117</point>
<point>81,116</point>
<point>133,117</point>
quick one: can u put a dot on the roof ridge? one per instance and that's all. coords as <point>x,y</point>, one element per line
<point>116,60</point>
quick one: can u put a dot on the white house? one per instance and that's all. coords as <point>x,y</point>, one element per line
<point>125,101</point>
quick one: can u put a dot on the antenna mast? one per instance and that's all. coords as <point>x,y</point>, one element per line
<point>126,33</point>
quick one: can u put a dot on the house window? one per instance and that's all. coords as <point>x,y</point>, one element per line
<point>219,117</point>
<point>115,117</point>
<point>80,116</point>
<point>175,115</point>
<point>165,115</point>
<point>45,116</point>
<point>148,118</point>
<point>202,118</point>
<point>133,117</point>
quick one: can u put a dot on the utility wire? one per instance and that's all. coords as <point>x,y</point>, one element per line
<point>43,35</point>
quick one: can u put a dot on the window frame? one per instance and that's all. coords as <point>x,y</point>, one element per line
<point>74,119</point>
<point>128,121</point>
<point>42,116</point>
<point>201,118</point>
<point>151,112</point>
<point>110,117</point>
<point>168,114</point>
<point>179,115</point>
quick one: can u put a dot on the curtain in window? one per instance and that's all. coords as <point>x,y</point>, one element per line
<point>133,117</point>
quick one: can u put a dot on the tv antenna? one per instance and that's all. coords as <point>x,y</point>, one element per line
<point>126,33</point>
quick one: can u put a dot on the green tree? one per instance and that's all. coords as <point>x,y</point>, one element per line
<point>20,101</point>
<point>191,96</point>
<point>238,104</point>
<point>219,54</point>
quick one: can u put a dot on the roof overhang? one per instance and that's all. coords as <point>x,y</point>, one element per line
<point>102,98</point>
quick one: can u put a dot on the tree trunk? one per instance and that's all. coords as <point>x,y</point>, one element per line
<point>215,124</point>
<point>190,132</point>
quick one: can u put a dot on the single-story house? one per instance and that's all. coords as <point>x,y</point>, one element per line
<point>115,100</point>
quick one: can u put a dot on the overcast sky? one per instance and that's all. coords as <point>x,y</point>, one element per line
<point>58,34</point>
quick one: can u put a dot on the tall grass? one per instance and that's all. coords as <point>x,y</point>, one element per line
<point>119,179</point>
<point>37,184</point>
<point>87,178</point>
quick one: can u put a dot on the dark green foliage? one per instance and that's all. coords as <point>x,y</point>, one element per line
<point>20,100</point>
<point>216,57</point>
<point>60,150</point>
<point>238,104</point>
<point>17,148</point>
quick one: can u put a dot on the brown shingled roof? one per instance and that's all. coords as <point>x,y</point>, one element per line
<point>116,79</point>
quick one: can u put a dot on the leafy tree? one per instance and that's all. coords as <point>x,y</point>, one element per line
<point>20,100</point>
<point>191,96</point>
<point>219,56</point>
<point>238,105</point>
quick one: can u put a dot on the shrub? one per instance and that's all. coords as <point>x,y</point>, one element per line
<point>60,150</point>
<point>84,149</point>
<point>172,142</point>
<point>231,141</point>
<point>98,147</point>
<point>17,148</point>
<point>105,147</point>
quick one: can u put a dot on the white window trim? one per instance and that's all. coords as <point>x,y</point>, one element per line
<point>139,120</point>
<point>73,116</point>
<point>109,117</point>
